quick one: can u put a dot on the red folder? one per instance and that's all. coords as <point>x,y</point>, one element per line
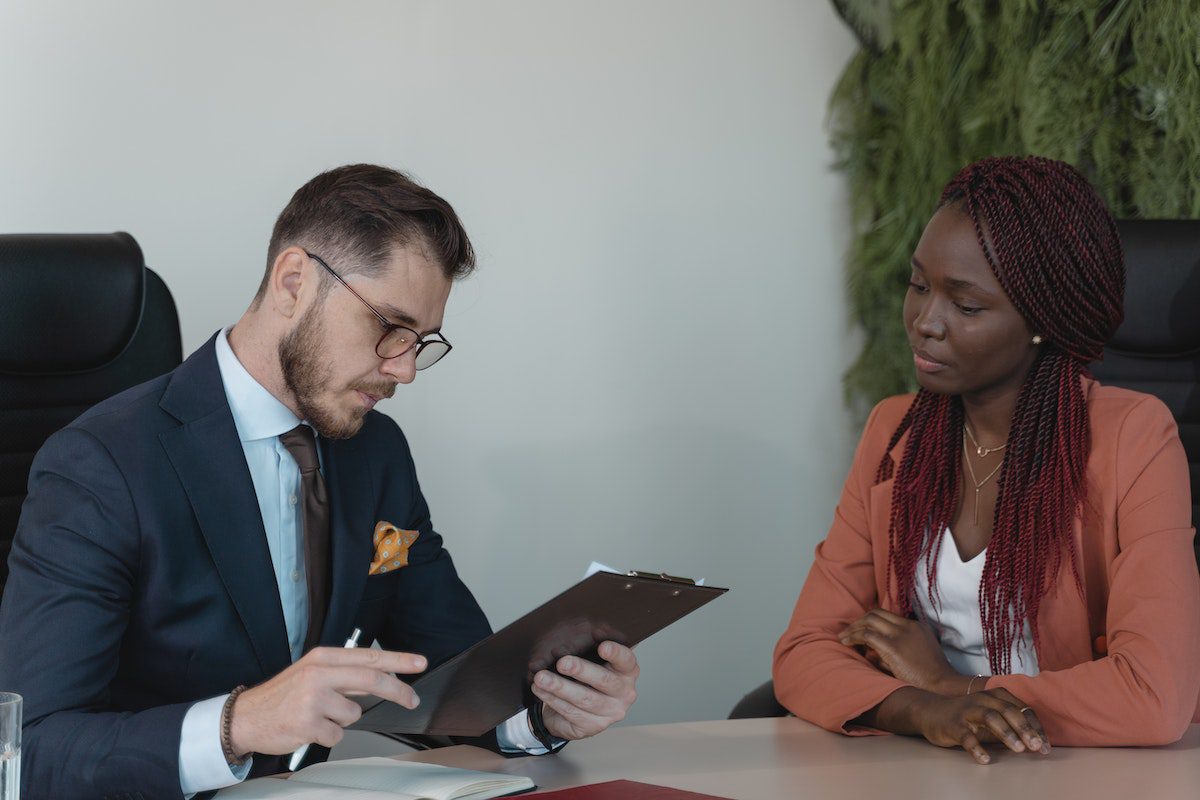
<point>623,790</point>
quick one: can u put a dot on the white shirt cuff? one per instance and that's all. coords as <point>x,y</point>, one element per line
<point>202,764</point>
<point>514,736</point>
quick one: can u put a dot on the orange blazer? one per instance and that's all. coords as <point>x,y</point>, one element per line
<point>1120,663</point>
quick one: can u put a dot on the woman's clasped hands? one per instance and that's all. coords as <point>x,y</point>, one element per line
<point>947,708</point>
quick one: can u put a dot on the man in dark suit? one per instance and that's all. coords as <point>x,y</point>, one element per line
<point>228,524</point>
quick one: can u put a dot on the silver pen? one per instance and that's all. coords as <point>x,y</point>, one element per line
<point>298,756</point>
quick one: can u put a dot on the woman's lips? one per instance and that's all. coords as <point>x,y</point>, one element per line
<point>926,364</point>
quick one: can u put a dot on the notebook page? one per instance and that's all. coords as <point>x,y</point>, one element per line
<point>279,789</point>
<point>412,778</point>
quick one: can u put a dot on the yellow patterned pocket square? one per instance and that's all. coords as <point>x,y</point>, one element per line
<point>391,547</point>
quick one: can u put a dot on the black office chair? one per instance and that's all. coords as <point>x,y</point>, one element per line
<point>1156,351</point>
<point>81,318</point>
<point>760,702</point>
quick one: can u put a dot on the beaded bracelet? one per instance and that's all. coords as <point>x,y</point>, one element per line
<point>231,758</point>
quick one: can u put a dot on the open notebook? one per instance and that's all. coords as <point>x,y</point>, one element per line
<point>379,779</point>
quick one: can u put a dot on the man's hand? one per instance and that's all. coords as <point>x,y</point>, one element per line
<point>907,649</point>
<point>308,701</point>
<point>586,698</point>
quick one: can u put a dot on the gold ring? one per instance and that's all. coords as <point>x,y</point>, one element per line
<point>1026,708</point>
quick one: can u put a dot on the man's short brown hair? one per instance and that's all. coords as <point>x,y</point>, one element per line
<point>355,216</point>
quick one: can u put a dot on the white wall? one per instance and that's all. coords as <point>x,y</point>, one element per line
<point>647,364</point>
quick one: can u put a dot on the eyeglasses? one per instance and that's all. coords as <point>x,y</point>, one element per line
<point>397,339</point>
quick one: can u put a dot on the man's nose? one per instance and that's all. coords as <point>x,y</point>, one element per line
<point>403,367</point>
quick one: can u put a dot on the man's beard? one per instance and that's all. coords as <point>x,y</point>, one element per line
<point>307,374</point>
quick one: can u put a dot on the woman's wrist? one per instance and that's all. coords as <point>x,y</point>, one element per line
<point>900,712</point>
<point>955,685</point>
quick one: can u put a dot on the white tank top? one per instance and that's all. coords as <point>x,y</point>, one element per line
<point>957,619</point>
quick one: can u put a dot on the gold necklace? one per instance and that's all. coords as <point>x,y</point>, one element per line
<point>971,471</point>
<point>983,452</point>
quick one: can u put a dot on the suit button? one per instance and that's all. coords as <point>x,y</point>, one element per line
<point>292,500</point>
<point>295,575</point>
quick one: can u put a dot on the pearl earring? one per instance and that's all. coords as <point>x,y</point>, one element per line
<point>1037,339</point>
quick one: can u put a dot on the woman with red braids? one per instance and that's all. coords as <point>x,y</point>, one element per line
<point>1011,559</point>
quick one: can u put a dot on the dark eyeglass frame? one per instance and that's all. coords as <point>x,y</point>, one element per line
<point>418,341</point>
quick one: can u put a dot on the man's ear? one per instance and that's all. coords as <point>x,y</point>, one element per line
<point>287,279</point>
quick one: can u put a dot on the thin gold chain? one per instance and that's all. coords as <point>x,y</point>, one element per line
<point>971,471</point>
<point>983,452</point>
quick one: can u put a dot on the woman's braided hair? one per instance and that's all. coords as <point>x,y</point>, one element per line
<point>1054,248</point>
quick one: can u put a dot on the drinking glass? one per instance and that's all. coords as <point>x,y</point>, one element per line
<point>10,746</point>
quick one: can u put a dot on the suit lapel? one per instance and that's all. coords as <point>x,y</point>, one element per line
<point>880,521</point>
<point>350,533</point>
<point>207,456</point>
<point>1063,617</point>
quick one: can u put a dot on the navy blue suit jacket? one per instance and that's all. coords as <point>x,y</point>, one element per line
<point>141,581</point>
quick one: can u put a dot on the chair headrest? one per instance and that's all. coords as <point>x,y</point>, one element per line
<point>68,302</point>
<point>1162,291</point>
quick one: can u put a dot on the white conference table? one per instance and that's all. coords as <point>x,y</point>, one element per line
<point>785,757</point>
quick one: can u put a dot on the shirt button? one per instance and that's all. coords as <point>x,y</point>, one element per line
<point>292,500</point>
<point>295,575</point>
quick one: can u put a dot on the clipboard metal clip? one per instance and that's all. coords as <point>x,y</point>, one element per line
<point>660,576</point>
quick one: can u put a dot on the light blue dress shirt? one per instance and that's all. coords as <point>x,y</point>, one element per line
<point>260,419</point>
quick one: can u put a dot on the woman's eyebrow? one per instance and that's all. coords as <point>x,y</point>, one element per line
<point>959,283</point>
<point>956,283</point>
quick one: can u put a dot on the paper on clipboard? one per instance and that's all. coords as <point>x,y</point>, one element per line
<point>596,566</point>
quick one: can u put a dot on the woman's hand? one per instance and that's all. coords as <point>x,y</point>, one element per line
<point>969,721</point>
<point>907,649</point>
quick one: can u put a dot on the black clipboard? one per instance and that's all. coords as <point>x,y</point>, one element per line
<point>479,688</point>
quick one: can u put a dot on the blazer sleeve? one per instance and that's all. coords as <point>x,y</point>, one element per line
<point>433,612</point>
<point>816,676</point>
<point>64,615</point>
<point>1144,691</point>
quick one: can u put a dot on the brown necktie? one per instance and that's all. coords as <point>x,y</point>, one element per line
<point>301,443</point>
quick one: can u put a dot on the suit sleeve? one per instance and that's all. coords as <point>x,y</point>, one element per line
<point>66,607</point>
<point>433,612</point>
<point>816,676</point>
<point>1144,691</point>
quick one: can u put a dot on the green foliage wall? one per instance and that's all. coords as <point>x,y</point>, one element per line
<point>1111,86</point>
